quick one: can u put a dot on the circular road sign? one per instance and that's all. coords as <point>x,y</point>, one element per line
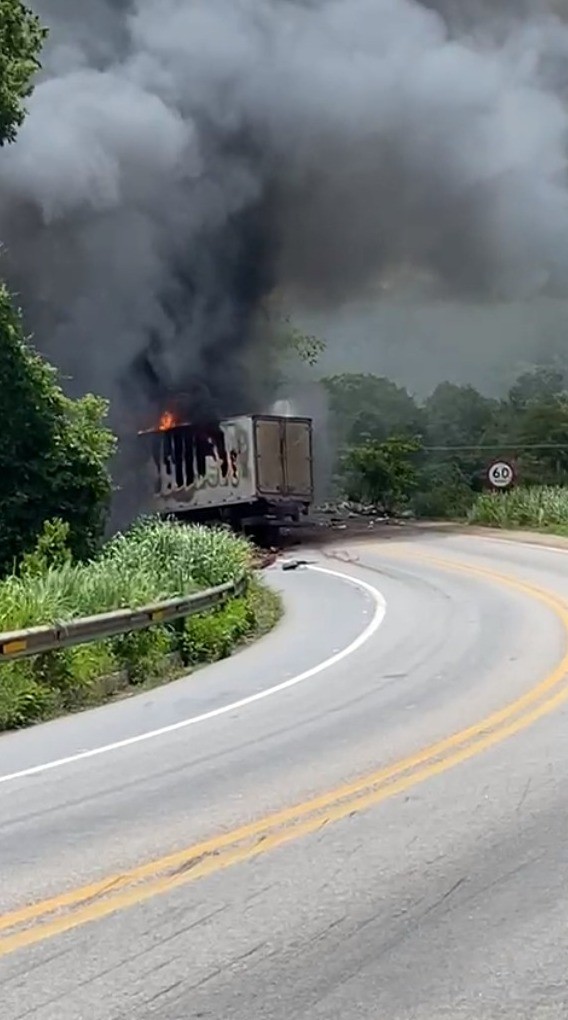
<point>501,474</point>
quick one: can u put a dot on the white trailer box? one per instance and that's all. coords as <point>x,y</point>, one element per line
<point>245,461</point>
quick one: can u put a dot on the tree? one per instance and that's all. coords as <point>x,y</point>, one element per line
<point>370,407</point>
<point>284,354</point>
<point>443,490</point>
<point>457,416</point>
<point>542,436</point>
<point>459,422</point>
<point>532,426</point>
<point>53,451</point>
<point>382,473</point>
<point>462,431</point>
<point>306,346</point>
<point>540,385</point>
<point>21,40</point>
<point>83,486</point>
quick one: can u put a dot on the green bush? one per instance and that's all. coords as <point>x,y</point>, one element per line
<point>212,636</point>
<point>442,492</point>
<point>72,674</point>
<point>23,700</point>
<point>51,549</point>
<point>209,637</point>
<point>54,453</point>
<point>542,506</point>
<point>154,561</point>
<point>47,685</point>
<point>143,653</point>
<point>382,473</point>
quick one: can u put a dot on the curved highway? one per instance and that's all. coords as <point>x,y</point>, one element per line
<point>364,816</point>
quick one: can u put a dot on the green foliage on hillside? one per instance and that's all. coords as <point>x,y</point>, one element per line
<point>382,472</point>
<point>460,431</point>
<point>367,407</point>
<point>54,452</point>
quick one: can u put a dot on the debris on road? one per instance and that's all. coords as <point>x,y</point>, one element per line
<point>264,558</point>
<point>330,522</point>
<point>339,516</point>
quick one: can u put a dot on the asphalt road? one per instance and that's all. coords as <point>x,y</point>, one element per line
<point>269,839</point>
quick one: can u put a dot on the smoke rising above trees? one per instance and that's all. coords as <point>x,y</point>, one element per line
<point>181,160</point>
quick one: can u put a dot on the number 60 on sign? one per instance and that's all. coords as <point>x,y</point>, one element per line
<point>501,474</point>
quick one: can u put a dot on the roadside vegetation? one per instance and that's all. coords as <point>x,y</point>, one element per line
<point>540,507</point>
<point>153,562</point>
<point>430,458</point>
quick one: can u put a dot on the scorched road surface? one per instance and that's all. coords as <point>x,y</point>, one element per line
<point>383,838</point>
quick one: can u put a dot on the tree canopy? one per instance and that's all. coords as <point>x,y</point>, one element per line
<point>53,451</point>
<point>21,40</point>
<point>371,407</point>
<point>382,472</point>
<point>459,431</point>
<point>457,416</point>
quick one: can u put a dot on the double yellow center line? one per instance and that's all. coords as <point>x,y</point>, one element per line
<point>69,910</point>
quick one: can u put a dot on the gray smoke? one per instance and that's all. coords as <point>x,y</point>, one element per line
<point>184,158</point>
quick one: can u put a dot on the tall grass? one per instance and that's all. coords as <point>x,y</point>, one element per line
<point>153,561</point>
<point>543,507</point>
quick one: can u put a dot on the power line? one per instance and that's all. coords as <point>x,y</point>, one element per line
<point>500,446</point>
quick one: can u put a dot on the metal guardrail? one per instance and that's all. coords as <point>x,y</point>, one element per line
<point>19,644</point>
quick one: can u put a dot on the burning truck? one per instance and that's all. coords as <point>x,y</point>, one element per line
<point>253,472</point>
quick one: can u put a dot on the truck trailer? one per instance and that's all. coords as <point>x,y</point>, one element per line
<point>253,472</point>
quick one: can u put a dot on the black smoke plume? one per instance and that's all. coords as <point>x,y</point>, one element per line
<point>183,158</point>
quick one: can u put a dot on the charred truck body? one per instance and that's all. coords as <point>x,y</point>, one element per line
<point>254,472</point>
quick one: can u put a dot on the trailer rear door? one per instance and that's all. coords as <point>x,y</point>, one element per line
<point>270,479</point>
<point>298,458</point>
<point>283,454</point>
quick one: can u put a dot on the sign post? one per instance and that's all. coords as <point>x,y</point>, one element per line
<point>501,474</point>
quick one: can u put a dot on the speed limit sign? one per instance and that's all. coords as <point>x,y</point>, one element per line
<point>501,474</point>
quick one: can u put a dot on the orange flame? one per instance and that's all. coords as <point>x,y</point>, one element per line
<point>167,421</point>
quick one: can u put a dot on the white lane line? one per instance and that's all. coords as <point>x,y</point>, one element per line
<point>364,636</point>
